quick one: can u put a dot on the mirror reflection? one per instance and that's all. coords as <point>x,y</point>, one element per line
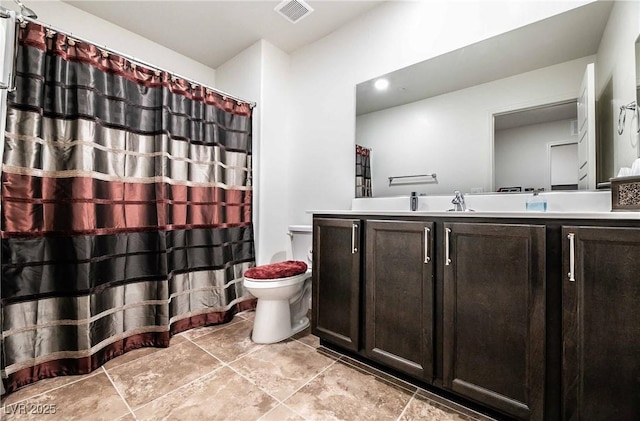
<point>537,149</point>
<point>637,127</point>
<point>509,113</point>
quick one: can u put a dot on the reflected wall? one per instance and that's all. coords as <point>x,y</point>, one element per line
<point>451,134</point>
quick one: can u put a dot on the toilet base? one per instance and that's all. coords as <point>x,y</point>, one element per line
<point>273,322</point>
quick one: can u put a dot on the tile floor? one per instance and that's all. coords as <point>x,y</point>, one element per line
<point>217,373</point>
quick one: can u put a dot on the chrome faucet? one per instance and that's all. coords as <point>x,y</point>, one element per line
<point>458,202</point>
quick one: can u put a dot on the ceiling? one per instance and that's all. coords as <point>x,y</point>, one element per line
<point>546,114</point>
<point>567,36</point>
<point>212,32</point>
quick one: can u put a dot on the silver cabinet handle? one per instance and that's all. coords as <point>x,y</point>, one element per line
<point>354,246</point>
<point>447,258</point>
<point>572,257</point>
<point>427,259</point>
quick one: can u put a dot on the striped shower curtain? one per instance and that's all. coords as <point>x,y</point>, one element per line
<point>363,172</point>
<point>126,208</point>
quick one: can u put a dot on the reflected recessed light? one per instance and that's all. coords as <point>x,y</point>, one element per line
<point>381,84</point>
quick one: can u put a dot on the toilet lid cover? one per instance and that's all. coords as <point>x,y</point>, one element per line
<point>277,270</point>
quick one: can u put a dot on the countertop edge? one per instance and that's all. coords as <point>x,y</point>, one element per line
<point>634,216</point>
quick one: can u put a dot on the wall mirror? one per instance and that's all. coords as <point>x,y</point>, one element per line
<point>637,121</point>
<point>460,115</point>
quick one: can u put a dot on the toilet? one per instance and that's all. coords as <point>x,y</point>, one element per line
<point>283,291</point>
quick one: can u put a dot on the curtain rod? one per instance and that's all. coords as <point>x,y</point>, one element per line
<point>22,18</point>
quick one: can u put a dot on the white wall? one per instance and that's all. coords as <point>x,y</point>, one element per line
<point>391,36</point>
<point>615,62</point>
<point>261,73</point>
<point>70,19</point>
<point>275,156</point>
<point>457,126</point>
<point>242,75</point>
<point>521,154</point>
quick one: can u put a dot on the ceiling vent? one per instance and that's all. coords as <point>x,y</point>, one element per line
<point>294,10</point>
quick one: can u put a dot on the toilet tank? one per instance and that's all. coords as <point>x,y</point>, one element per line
<point>301,243</point>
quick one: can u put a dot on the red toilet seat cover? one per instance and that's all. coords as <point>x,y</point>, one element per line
<point>277,270</point>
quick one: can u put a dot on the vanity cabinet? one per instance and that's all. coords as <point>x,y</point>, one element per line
<point>494,315</point>
<point>601,323</point>
<point>336,281</point>
<point>533,317</point>
<point>398,311</point>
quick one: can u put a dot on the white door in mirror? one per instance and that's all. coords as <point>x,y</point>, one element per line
<point>587,130</point>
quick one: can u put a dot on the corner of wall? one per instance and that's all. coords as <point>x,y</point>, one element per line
<point>261,73</point>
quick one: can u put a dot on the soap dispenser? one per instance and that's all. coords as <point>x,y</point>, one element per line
<point>536,202</point>
<point>413,201</point>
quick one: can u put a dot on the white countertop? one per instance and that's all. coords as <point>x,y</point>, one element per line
<point>488,214</point>
<point>560,205</point>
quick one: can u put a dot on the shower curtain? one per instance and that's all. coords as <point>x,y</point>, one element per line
<point>363,171</point>
<point>126,208</point>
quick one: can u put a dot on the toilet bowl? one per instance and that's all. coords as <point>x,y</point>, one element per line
<point>283,291</point>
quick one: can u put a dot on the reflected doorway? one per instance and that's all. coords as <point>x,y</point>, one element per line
<point>562,164</point>
<point>536,148</point>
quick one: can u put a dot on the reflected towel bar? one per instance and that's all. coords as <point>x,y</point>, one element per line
<point>433,177</point>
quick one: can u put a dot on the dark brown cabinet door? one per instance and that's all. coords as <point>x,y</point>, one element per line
<point>336,281</point>
<point>494,315</point>
<point>399,296</point>
<point>601,323</point>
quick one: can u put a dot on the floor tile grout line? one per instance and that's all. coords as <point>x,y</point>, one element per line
<point>310,346</point>
<point>309,381</point>
<point>222,364</point>
<point>232,361</point>
<point>294,411</point>
<point>178,388</point>
<point>245,354</point>
<point>348,360</point>
<point>405,385</point>
<point>254,383</point>
<point>199,347</point>
<point>407,405</point>
<point>269,411</point>
<point>220,326</point>
<point>219,359</point>
<point>450,405</point>
<point>280,402</point>
<point>157,349</point>
<point>286,406</point>
<point>119,393</point>
<point>84,376</point>
<point>97,370</point>
<point>228,365</point>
